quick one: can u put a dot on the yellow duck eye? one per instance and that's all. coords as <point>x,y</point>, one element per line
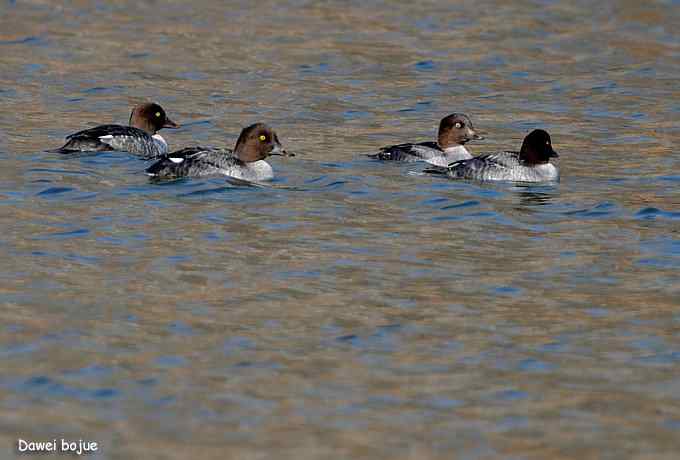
<point>458,125</point>
<point>263,137</point>
<point>158,114</point>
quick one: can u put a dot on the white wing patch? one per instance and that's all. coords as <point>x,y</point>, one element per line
<point>108,139</point>
<point>176,160</point>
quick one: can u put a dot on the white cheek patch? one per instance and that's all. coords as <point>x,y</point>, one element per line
<point>176,160</point>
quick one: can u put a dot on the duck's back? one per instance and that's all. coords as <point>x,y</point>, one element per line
<point>429,152</point>
<point>408,152</point>
<point>114,137</point>
<point>502,166</point>
<point>201,161</point>
<point>192,161</point>
<point>88,140</point>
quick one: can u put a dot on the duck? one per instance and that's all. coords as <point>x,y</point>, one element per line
<point>245,162</point>
<point>140,138</point>
<point>530,164</point>
<point>455,130</point>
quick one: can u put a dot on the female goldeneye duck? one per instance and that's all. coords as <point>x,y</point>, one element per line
<point>140,138</point>
<point>245,162</point>
<point>530,164</point>
<point>455,131</point>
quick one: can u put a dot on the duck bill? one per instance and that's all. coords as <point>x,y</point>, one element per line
<point>170,124</point>
<point>553,154</point>
<point>278,150</point>
<point>472,136</point>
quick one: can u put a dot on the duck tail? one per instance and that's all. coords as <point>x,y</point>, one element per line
<point>434,169</point>
<point>63,150</point>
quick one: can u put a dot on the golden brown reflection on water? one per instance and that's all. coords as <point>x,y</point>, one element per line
<point>356,310</point>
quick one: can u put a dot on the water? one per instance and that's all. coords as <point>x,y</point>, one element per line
<point>354,309</point>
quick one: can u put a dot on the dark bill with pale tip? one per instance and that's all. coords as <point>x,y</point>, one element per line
<point>278,150</point>
<point>170,124</point>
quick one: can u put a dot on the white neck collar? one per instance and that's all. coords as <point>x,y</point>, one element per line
<point>456,149</point>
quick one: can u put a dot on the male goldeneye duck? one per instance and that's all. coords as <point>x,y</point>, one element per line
<point>140,138</point>
<point>455,131</point>
<point>245,162</point>
<point>530,164</point>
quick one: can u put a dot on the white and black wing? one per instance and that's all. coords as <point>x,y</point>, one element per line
<point>192,161</point>
<point>88,140</point>
<point>132,140</point>
<point>408,152</point>
<point>111,137</point>
<point>490,164</point>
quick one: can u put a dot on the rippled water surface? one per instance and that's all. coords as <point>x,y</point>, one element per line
<point>353,309</point>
